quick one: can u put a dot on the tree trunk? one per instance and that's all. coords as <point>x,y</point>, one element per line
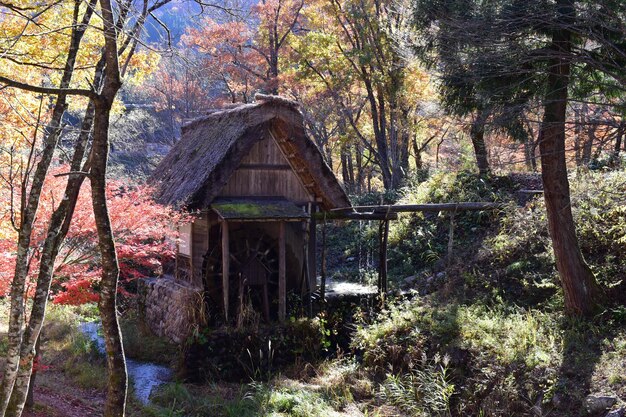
<point>350,167</point>
<point>57,230</point>
<point>477,134</point>
<point>417,154</point>
<point>116,363</point>
<point>30,397</point>
<point>588,145</point>
<point>579,285</point>
<point>618,143</point>
<point>345,166</point>
<point>529,150</point>
<point>28,214</point>
<point>360,176</point>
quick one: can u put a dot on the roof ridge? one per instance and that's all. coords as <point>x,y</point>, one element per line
<point>275,99</point>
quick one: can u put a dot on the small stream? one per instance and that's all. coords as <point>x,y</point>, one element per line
<point>338,288</point>
<point>145,376</point>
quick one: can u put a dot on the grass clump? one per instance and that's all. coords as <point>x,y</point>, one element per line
<point>398,337</point>
<point>283,401</point>
<point>259,399</point>
<point>175,399</point>
<point>142,345</point>
<point>526,336</point>
<point>425,391</point>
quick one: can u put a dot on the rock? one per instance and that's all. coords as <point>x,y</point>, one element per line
<point>597,403</point>
<point>558,399</point>
<point>410,280</point>
<point>620,412</point>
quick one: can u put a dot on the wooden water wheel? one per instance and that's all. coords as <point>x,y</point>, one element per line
<point>252,276</point>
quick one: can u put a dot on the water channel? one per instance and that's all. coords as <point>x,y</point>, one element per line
<point>144,376</point>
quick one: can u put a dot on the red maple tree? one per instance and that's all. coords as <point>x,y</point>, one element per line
<point>144,232</point>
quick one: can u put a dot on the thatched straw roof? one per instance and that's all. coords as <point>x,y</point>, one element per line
<point>200,164</point>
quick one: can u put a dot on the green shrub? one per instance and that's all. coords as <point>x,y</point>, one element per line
<point>420,240</point>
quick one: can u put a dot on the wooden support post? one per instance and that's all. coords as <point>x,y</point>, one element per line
<point>383,235</point>
<point>312,254</point>
<point>192,255</point>
<point>225,267</point>
<point>282,281</point>
<point>450,240</point>
<point>379,283</point>
<point>311,262</point>
<point>323,266</point>
<point>385,240</point>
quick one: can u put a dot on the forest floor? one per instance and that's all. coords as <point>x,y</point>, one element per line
<point>524,363</point>
<point>57,393</point>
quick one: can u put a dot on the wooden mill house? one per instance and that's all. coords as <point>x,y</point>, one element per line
<point>253,180</point>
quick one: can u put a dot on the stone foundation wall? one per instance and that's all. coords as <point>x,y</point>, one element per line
<point>170,308</point>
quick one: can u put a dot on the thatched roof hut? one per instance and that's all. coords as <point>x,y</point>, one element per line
<point>255,180</point>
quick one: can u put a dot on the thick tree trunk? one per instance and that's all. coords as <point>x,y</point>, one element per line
<point>579,285</point>
<point>115,405</point>
<point>477,134</point>
<point>116,362</point>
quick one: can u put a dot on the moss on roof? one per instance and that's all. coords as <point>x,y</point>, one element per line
<point>258,209</point>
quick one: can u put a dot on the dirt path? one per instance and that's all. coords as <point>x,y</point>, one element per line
<point>61,400</point>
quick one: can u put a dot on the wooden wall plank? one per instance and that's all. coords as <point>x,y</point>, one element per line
<point>260,182</point>
<point>199,246</point>
<point>256,177</point>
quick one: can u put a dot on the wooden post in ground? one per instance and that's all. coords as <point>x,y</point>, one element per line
<point>379,283</point>
<point>450,240</point>
<point>385,240</point>
<point>225,267</point>
<point>282,281</point>
<point>323,266</point>
<point>383,235</point>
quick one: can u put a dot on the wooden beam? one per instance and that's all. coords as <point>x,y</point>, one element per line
<point>282,281</point>
<point>267,219</point>
<point>270,167</point>
<point>398,208</point>
<point>337,215</point>
<point>225,267</point>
